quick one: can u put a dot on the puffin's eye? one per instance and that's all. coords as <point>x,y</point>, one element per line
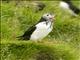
<point>47,15</point>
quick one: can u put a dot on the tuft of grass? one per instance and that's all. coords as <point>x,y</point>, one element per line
<point>37,51</point>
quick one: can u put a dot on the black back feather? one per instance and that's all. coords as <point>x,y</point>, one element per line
<point>72,7</point>
<point>27,34</point>
<point>42,19</point>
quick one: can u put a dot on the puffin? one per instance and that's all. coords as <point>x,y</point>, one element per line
<point>67,5</point>
<point>41,29</point>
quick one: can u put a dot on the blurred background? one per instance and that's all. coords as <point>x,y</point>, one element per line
<point>18,16</point>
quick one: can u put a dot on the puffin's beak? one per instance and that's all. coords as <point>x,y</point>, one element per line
<point>53,17</point>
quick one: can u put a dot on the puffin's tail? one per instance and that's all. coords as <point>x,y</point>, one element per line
<point>21,38</point>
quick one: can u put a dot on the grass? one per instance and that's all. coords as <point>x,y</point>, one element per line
<point>37,51</point>
<point>62,43</point>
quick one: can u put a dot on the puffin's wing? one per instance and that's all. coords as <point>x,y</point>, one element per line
<point>29,31</point>
<point>27,34</point>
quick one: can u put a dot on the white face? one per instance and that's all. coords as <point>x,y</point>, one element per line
<point>48,16</point>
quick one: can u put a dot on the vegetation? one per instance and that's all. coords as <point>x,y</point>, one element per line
<point>63,43</point>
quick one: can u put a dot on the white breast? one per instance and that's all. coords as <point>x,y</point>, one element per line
<point>42,30</point>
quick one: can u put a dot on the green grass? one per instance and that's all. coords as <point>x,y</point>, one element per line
<point>37,51</point>
<point>62,43</point>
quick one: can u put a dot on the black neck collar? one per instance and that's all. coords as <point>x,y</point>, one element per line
<point>42,19</point>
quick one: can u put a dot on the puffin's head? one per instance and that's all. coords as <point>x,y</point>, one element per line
<point>48,17</point>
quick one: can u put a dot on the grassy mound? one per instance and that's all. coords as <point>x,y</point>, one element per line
<point>37,51</point>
